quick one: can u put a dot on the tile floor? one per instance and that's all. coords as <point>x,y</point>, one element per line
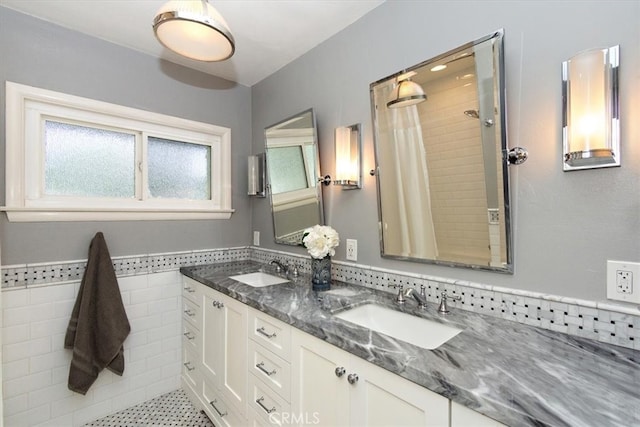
<point>171,409</point>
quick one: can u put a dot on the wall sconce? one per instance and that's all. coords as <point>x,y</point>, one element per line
<point>256,175</point>
<point>348,157</point>
<point>590,113</point>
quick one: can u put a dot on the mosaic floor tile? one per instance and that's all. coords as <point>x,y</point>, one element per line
<point>169,410</point>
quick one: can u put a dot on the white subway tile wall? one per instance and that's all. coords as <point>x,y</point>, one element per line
<point>36,365</point>
<point>38,298</point>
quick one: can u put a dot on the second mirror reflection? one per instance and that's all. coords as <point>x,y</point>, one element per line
<point>292,173</point>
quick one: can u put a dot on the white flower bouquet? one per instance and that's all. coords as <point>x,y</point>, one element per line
<point>320,241</point>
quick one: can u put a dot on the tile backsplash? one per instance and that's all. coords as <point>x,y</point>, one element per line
<point>605,322</point>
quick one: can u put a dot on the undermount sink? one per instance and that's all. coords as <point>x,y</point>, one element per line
<point>258,279</point>
<point>405,327</point>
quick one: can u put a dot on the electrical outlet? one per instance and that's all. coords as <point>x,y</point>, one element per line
<point>620,281</point>
<point>352,249</point>
<point>624,281</point>
<point>256,238</point>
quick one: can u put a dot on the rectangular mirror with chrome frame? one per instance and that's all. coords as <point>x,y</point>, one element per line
<point>292,175</point>
<point>441,159</point>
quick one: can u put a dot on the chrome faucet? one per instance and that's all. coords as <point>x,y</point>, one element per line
<point>280,267</point>
<point>420,297</point>
<point>444,308</point>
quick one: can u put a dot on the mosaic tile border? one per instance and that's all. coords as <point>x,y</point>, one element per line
<point>605,322</point>
<point>41,274</point>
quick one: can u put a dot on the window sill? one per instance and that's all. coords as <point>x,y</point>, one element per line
<point>79,214</point>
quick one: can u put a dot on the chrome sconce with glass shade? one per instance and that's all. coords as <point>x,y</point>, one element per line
<point>590,113</point>
<point>348,150</point>
<point>256,175</point>
<point>348,159</point>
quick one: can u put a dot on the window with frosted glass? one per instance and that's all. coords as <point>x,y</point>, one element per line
<point>287,169</point>
<point>310,154</point>
<point>178,170</point>
<point>88,162</point>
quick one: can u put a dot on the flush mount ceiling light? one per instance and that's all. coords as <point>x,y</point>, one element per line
<point>406,92</point>
<point>194,29</point>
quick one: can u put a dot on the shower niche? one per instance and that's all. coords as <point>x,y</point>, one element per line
<point>442,161</point>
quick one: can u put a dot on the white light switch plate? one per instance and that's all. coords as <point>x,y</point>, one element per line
<point>623,281</point>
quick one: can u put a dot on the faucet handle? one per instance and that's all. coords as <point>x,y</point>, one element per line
<point>294,270</point>
<point>422,291</point>
<point>400,298</point>
<point>444,307</point>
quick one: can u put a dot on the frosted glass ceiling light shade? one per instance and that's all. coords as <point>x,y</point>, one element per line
<point>406,93</point>
<point>194,29</point>
<point>590,119</point>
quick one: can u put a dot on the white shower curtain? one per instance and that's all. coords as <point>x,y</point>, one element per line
<point>408,170</point>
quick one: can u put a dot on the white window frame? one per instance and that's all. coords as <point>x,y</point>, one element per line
<point>28,107</point>
<point>304,196</point>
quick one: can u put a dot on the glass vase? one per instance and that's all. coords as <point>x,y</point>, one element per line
<point>321,273</point>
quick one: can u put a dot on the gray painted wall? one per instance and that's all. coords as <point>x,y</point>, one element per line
<point>566,224</point>
<point>37,53</point>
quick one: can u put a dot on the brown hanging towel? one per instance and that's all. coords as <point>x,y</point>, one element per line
<point>99,324</point>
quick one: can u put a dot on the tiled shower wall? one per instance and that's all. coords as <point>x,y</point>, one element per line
<point>37,302</point>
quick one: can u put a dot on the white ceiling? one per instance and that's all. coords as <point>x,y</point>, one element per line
<point>269,33</point>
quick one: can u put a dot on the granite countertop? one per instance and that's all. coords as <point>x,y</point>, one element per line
<point>517,374</point>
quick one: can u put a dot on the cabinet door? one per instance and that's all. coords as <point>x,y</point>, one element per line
<point>382,398</point>
<point>212,327</point>
<point>233,346</point>
<point>461,416</point>
<point>319,390</point>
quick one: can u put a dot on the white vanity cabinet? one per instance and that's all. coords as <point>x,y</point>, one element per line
<point>224,354</point>
<point>334,388</point>
<point>216,375</point>
<point>244,367</point>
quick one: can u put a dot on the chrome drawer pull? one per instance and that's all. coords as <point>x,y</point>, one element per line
<point>189,313</point>
<point>260,366</point>
<point>261,330</point>
<point>352,378</point>
<point>267,410</point>
<point>190,290</point>
<point>212,403</point>
<point>188,366</point>
<point>340,371</point>
<point>189,335</point>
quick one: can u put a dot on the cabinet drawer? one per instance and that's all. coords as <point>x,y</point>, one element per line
<point>255,420</point>
<point>270,333</point>
<point>264,401</point>
<point>191,312</point>
<point>271,369</point>
<point>190,337</point>
<point>190,290</point>
<point>190,372</point>
<point>221,413</point>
